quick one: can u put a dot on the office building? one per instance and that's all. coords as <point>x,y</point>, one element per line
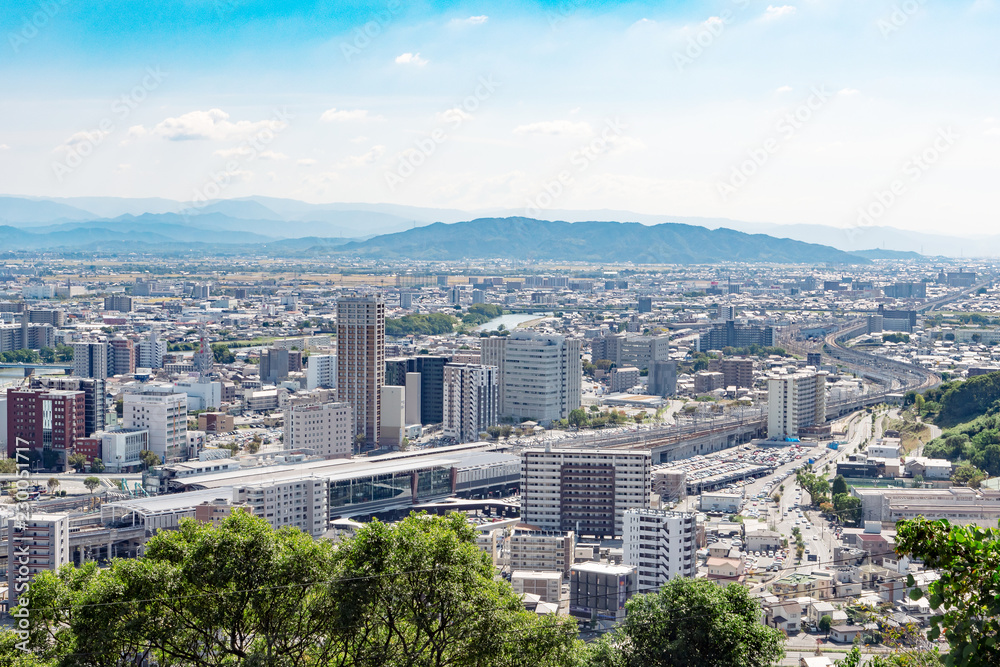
<point>361,361</point>
<point>326,428</point>
<point>118,302</point>
<point>392,429</point>
<point>730,334</point>
<point>599,590</point>
<point>121,448</point>
<point>55,318</point>
<point>277,363</point>
<point>216,422</point>
<point>906,290</point>
<point>795,400</point>
<point>546,585</point>
<point>95,412</point>
<point>814,359</point>
<point>90,359</point>
<point>737,372</point>
<point>37,543</point>
<point>641,351</point>
<point>586,491</point>
<point>45,420</point>
<point>470,400</point>
<point>662,380</point>
<point>540,375</point>
<point>645,304</point>
<point>898,320</point>
<point>660,545</point>
<point>623,379</point>
<point>321,371</point>
<point>431,370</point>
<point>162,413</point>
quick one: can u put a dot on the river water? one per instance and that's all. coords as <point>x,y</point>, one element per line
<point>511,320</point>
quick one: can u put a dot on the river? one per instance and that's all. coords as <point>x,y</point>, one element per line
<point>510,321</point>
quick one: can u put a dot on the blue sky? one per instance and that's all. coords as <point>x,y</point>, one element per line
<point>817,111</point>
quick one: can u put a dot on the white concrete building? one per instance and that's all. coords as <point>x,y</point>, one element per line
<point>161,412</point>
<point>540,376</point>
<point>120,448</point>
<point>301,503</point>
<point>661,546</point>
<point>795,400</point>
<point>583,490</point>
<point>547,551</point>
<point>327,428</point>
<point>546,585</point>
<point>470,400</point>
<point>90,359</point>
<point>321,371</point>
<point>393,418</point>
<point>40,544</point>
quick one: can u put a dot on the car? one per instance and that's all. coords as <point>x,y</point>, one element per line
<point>815,537</point>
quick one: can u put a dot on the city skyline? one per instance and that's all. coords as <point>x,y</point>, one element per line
<point>808,112</point>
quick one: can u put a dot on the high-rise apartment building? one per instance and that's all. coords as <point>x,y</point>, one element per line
<point>541,551</point>
<point>121,357</point>
<point>541,376</point>
<point>361,361</point>
<point>795,400</point>
<point>301,503</point>
<point>660,545</point>
<point>321,371</point>
<point>470,400</point>
<point>586,491</point>
<point>150,351</point>
<point>731,334</point>
<point>326,428</point>
<point>90,359</point>
<point>737,372</point>
<point>39,544</point>
<point>121,303</point>
<point>162,413</point>
<point>493,352</point>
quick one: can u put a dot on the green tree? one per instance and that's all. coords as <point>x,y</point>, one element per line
<point>8,466</point>
<point>825,622</point>
<point>848,508</point>
<point>53,484</point>
<point>968,475</point>
<point>97,465</point>
<point>965,596</point>
<point>578,417</point>
<point>149,459</point>
<point>221,353</point>
<point>77,461</point>
<point>839,485</point>
<point>691,622</point>
<point>92,483</point>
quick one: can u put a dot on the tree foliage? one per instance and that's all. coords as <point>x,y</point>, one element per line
<point>691,622</point>
<point>416,593</point>
<point>966,598</point>
<point>424,324</point>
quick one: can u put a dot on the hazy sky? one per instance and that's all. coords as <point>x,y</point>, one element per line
<point>799,112</point>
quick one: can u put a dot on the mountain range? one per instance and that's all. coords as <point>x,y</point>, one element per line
<point>295,227</point>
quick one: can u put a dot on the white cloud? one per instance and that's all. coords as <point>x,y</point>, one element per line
<point>784,89</point>
<point>451,115</point>
<point>992,132</point>
<point>847,92</point>
<point>4,147</point>
<point>212,124</point>
<point>369,157</point>
<point>411,59</point>
<point>773,12</point>
<point>335,115</point>
<point>305,162</point>
<point>555,127</point>
<point>359,140</point>
<point>122,168</point>
<point>472,20</point>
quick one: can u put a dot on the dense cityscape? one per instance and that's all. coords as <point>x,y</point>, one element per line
<point>601,430</point>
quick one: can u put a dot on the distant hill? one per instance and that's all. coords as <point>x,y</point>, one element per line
<point>525,238</point>
<point>882,253</point>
